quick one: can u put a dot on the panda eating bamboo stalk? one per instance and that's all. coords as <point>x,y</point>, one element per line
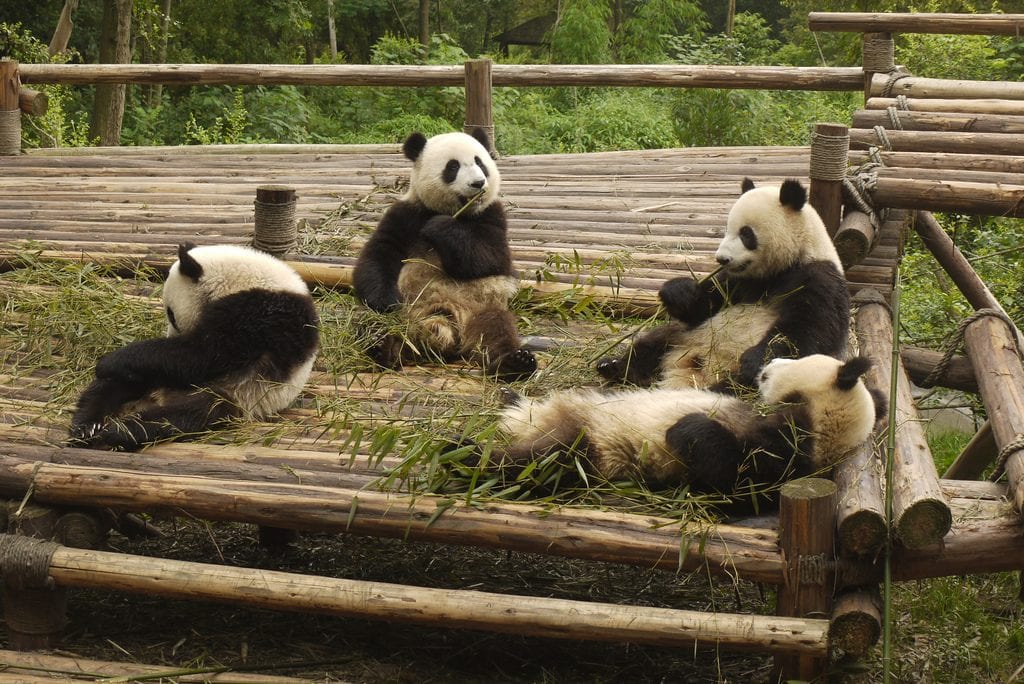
<point>814,411</point>
<point>781,293</point>
<point>440,257</point>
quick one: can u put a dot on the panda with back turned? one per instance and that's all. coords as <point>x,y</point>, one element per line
<point>818,410</point>
<point>782,293</point>
<point>242,336</point>
<point>450,277</point>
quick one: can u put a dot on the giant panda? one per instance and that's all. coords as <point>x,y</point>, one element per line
<point>242,335</point>
<point>815,410</point>
<point>450,277</point>
<point>782,293</point>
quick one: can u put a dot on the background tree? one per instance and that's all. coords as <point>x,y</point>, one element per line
<point>115,48</point>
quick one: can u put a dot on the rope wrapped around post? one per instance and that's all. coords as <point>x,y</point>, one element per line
<point>25,561</point>
<point>10,132</point>
<point>275,232</point>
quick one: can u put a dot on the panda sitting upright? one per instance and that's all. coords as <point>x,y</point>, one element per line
<point>451,277</point>
<point>818,410</point>
<point>242,336</point>
<point>782,294</point>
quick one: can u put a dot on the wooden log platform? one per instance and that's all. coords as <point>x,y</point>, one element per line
<point>606,227</point>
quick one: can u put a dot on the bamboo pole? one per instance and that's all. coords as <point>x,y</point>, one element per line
<point>921,514</point>
<point>807,509</point>
<point>913,22</point>
<point>449,608</point>
<point>620,538</point>
<point>511,75</point>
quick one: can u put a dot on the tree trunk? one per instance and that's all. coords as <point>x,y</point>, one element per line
<point>62,34</point>
<point>156,92</point>
<point>332,34</point>
<point>108,106</point>
<point>424,23</point>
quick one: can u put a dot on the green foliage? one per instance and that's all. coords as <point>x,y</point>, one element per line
<point>581,34</point>
<point>645,36</point>
<point>952,56</point>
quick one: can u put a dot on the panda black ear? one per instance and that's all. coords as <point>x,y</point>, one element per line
<point>187,265</point>
<point>481,137</point>
<point>793,195</point>
<point>850,372</point>
<point>414,145</point>
<point>746,186</point>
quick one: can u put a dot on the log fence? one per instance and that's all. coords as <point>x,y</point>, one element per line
<point>932,144</point>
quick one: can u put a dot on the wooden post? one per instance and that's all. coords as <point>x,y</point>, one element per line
<point>35,612</point>
<point>478,99</point>
<point>807,515</point>
<point>856,622</point>
<point>855,238</point>
<point>275,231</point>
<point>877,57</point>
<point>992,349</point>
<point>830,143</point>
<point>10,108</point>
<point>33,102</point>
<point>921,515</point>
<point>975,457</point>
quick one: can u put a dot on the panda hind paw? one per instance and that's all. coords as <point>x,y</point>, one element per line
<point>515,365</point>
<point>612,370</point>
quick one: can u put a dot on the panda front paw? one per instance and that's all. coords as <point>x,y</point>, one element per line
<point>515,365</point>
<point>681,297</point>
<point>751,362</point>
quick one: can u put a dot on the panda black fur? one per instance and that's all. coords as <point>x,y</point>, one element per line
<point>818,410</point>
<point>452,278</point>
<point>242,336</point>
<point>782,294</point>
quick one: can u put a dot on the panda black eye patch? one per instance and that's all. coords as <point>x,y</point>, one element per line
<point>451,171</point>
<point>748,237</point>
<point>482,166</point>
<point>170,318</point>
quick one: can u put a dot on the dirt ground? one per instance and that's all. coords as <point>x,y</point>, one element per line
<point>143,629</point>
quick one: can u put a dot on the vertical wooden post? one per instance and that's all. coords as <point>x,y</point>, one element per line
<point>830,143</point>
<point>877,57</point>
<point>275,231</point>
<point>10,108</point>
<point>478,99</point>
<point>35,614</point>
<point>807,517</point>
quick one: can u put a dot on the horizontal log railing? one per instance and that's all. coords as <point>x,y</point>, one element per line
<point>912,22</point>
<point>513,75</point>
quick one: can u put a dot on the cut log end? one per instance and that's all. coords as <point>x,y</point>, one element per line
<point>925,523</point>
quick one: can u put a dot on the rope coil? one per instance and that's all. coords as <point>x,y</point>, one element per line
<point>878,53</point>
<point>25,562</point>
<point>275,231</point>
<point>890,83</point>
<point>10,132</point>
<point>828,156</point>
<point>953,343</point>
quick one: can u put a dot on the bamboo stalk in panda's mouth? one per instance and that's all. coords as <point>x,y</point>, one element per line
<point>711,275</point>
<point>465,206</point>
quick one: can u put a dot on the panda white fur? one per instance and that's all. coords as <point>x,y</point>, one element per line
<point>818,410</point>
<point>452,278</point>
<point>242,336</point>
<point>782,293</point>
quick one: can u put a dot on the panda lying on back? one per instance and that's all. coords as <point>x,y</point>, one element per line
<point>820,410</point>
<point>451,278</point>
<point>241,339</point>
<point>783,294</point>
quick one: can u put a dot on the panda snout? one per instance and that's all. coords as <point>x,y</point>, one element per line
<point>723,260</point>
<point>478,184</point>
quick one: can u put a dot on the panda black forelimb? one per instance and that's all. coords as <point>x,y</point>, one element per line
<point>375,277</point>
<point>690,301</point>
<point>641,362</point>
<point>472,249</point>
